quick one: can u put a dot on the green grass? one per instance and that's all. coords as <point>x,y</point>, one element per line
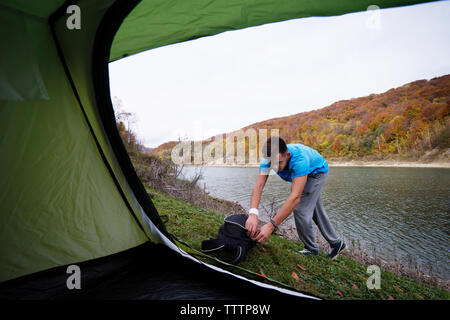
<point>277,259</point>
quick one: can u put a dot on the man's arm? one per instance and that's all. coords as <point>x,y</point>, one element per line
<point>298,184</point>
<point>252,222</point>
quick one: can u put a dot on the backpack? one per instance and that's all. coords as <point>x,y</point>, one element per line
<point>232,242</point>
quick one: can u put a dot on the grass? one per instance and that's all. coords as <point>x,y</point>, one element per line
<point>277,259</point>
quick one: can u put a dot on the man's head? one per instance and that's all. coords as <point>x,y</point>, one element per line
<point>276,152</point>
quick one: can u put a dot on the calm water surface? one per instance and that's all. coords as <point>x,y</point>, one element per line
<point>398,212</point>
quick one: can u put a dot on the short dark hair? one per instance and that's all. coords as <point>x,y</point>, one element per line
<point>267,151</point>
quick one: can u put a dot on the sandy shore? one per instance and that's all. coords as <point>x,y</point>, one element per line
<point>381,163</point>
<point>412,164</point>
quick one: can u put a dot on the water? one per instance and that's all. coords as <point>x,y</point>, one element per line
<point>398,212</point>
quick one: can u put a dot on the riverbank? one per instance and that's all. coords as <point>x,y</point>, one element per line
<point>432,159</point>
<point>343,278</point>
<point>390,163</point>
<point>360,163</point>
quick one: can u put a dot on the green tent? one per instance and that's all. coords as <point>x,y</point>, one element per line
<point>68,191</point>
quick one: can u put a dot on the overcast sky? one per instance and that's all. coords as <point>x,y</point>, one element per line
<point>217,84</point>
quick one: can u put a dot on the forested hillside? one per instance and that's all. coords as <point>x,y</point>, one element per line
<point>406,121</point>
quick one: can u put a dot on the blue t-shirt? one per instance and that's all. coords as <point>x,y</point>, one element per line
<point>303,161</point>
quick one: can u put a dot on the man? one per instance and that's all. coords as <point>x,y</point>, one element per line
<point>307,170</point>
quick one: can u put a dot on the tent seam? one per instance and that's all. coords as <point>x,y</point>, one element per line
<point>23,13</point>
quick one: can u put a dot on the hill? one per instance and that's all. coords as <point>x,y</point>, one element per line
<point>407,122</point>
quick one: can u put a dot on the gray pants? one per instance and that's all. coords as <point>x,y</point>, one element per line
<point>309,209</point>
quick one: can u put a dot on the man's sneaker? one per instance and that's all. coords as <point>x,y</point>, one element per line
<point>306,252</point>
<point>336,250</point>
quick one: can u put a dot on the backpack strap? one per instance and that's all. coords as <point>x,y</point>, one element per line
<point>212,245</point>
<point>232,239</point>
<point>237,257</point>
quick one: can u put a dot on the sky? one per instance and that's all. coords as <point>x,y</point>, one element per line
<point>197,89</point>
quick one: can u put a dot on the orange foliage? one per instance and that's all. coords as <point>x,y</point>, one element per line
<point>410,119</point>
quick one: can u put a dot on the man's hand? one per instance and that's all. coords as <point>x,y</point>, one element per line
<point>264,233</point>
<point>252,225</point>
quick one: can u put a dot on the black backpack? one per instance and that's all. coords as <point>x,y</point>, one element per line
<point>232,241</point>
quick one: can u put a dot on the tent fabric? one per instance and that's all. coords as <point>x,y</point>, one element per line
<point>68,190</point>
<point>19,48</point>
<point>158,23</point>
<point>40,10</point>
<point>59,202</point>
